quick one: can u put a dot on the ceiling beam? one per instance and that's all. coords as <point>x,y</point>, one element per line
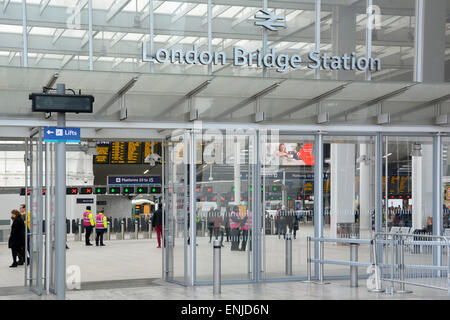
<point>249,100</point>
<point>310,102</point>
<point>372,102</point>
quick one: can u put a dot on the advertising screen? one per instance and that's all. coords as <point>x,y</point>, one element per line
<point>290,154</point>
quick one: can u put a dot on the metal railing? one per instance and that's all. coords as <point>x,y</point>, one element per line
<point>396,260</point>
<point>352,262</point>
<point>412,259</point>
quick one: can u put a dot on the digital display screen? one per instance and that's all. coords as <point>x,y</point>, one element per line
<point>118,153</point>
<point>103,153</point>
<point>61,103</point>
<point>290,154</point>
<point>134,153</point>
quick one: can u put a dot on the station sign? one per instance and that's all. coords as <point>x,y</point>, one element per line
<point>85,200</point>
<point>134,180</point>
<point>60,134</point>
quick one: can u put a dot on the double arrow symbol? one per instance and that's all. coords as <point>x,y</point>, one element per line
<point>271,21</point>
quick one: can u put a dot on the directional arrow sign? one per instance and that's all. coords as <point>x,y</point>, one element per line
<point>58,134</point>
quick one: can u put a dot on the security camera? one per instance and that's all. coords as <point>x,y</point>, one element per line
<point>152,159</point>
<point>85,180</point>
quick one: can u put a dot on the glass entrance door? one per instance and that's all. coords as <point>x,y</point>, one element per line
<point>176,200</point>
<point>287,189</point>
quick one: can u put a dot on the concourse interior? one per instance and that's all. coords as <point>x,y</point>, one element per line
<point>128,180</point>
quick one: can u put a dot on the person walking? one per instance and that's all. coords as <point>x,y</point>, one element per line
<point>26,217</point>
<point>16,240</point>
<point>88,222</point>
<point>210,222</point>
<point>101,223</point>
<point>295,224</point>
<point>235,225</point>
<point>245,230</point>
<point>219,227</point>
<point>157,224</point>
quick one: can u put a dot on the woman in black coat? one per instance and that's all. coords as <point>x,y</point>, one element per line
<point>16,240</point>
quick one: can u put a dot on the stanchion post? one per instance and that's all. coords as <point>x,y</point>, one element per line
<point>401,266</point>
<point>376,268</point>
<point>136,231</point>
<point>321,264</point>
<point>108,226</point>
<point>288,255</point>
<point>150,229</point>
<point>122,229</point>
<point>353,269</point>
<point>308,257</point>
<point>80,231</point>
<point>217,267</point>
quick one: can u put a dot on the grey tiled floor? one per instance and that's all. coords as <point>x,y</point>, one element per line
<point>160,290</point>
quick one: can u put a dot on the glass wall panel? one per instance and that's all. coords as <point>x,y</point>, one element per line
<point>287,181</point>
<point>57,34</point>
<point>181,32</point>
<point>224,191</point>
<point>393,39</point>
<point>349,197</point>
<point>176,228</point>
<point>407,184</point>
<point>445,192</point>
<point>11,31</point>
<point>119,29</point>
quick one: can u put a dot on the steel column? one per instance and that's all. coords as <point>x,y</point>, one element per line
<point>91,40</point>
<point>318,26</point>
<point>60,204</point>
<point>192,204</point>
<point>48,174</point>
<point>378,191</point>
<point>437,197</point>
<point>318,201</point>
<point>419,41</point>
<point>24,33</point>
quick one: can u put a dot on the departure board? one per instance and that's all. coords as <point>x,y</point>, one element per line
<point>134,153</point>
<point>121,152</point>
<point>103,153</point>
<point>118,152</point>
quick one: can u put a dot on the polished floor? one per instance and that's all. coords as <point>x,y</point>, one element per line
<point>131,269</point>
<point>160,290</point>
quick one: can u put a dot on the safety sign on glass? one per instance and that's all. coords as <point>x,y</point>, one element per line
<point>56,134</point>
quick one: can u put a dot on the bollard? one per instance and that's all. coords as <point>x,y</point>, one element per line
<point>217,267</point>
<point>136,227</point>
<point>122,229</point>
<point>150,227</point>
<point>80,231</point>
<point>288,255</point>
<point>353,269</point>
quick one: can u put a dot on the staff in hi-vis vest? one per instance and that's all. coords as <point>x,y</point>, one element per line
<point>100,227</point>
<point>235,227</point>
<point>88,222</point>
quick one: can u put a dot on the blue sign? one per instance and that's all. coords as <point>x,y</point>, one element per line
<point>134,180</point>
<point>57,134</point>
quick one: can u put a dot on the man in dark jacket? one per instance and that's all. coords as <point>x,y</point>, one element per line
<point>16,240</point>
<point>157,223</point>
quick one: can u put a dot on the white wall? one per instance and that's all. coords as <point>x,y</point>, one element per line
<point>116,206</point>
<point>79,168</point>
<point>10,202</point>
